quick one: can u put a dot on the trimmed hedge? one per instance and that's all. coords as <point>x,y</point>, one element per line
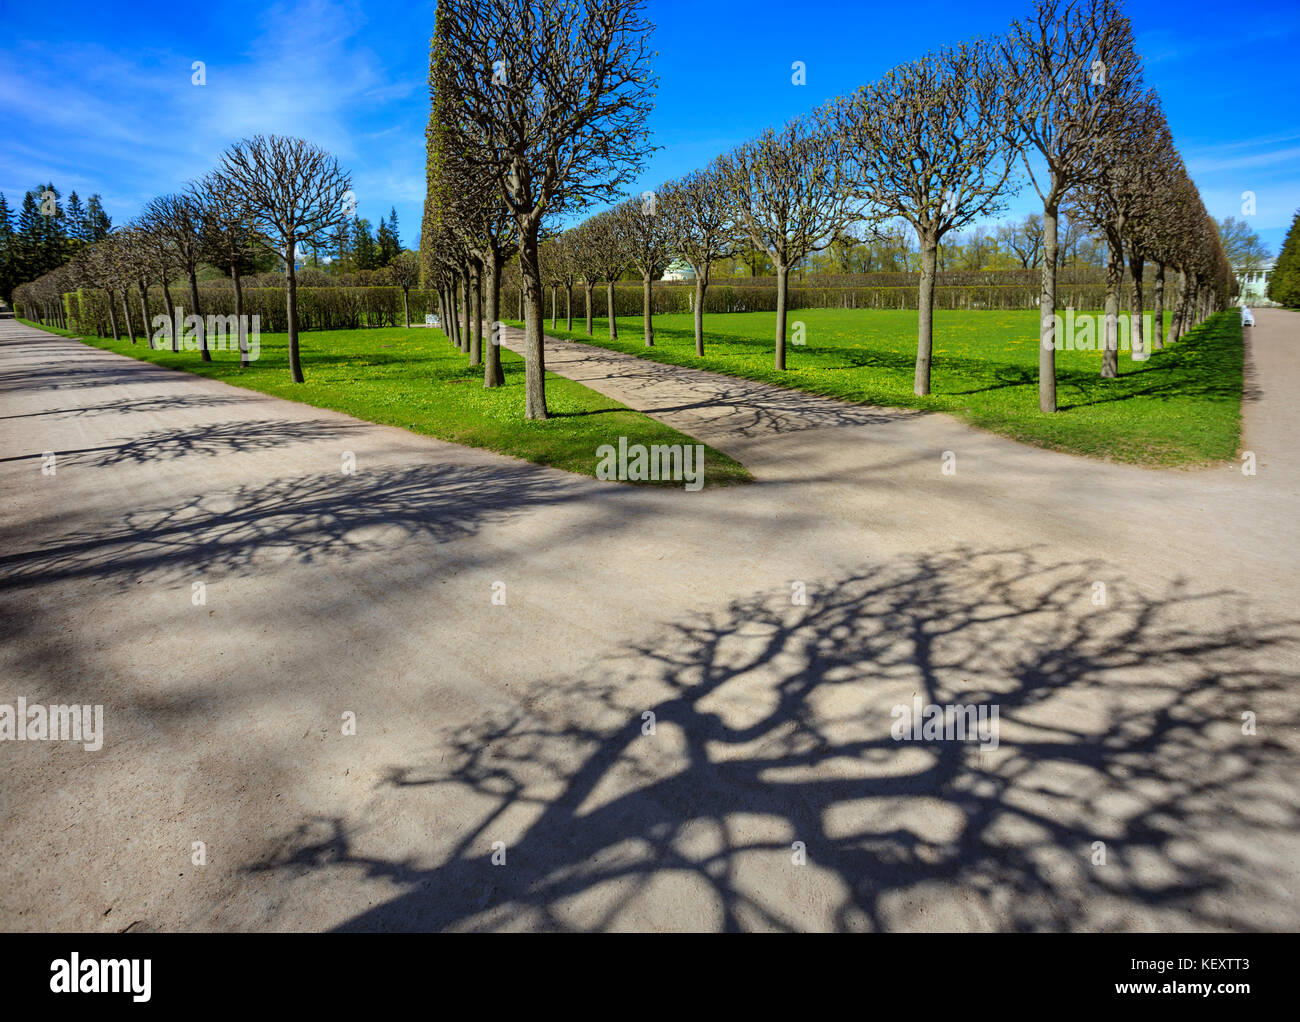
<point>319,308</point>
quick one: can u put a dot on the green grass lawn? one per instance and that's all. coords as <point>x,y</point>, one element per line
<point>1180,407</point>
<point>419,381</point>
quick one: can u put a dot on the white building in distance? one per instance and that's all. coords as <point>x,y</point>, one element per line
<point>679,269</point>
<point>1253,282</point>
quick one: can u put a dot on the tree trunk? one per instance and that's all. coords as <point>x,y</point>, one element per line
<point>240,326</point>
<point>466,327</point>
<point>453,296</point>
<point>609,310</point>
<point>534,350</point>
<point>1176,326</point>
<point>171,314</point>
<point>492,374</point>
<point>1158,310</point>
<point>1047,315</point>
<point>291,308</point>
<point>554,302</point>
<point>701,284</point>
<point>406,306</point>
<point>112,315</point>
<point>1137,343</point>
<point>647,313</point>
<point>568,308</point>
<point>782,279</point>
<point>144,311</point>
<point>126,311</point>
<point>203,334</point>
<point>925,317</point>
<point>476,316</point>
<point>587,289</point>
<point>1110,331</point>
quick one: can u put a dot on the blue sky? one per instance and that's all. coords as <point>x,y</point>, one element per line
<point>98,96</point>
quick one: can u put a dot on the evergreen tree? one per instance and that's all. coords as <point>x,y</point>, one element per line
<point>363,245</point>
<point>389,245</point>
<point>98,223</point>
<point>77,225</point>
<point>1284,283</point>
<point>8,251</point>
<point>52,237</point>
<point>27,242</point>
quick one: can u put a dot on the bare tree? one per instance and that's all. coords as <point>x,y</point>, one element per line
<point>122,275</point>
<point>934,142</point>
<point>552,273</point>
<point>1148,177</point>
<point>609,249</point>
<point>788,191</point>
<point>228,240</point>
<point>645,240</point>
<point>292,192</point>
<point>162,263</point>
<point>405,272</point>
<point>179,220</point>
<point>1030,237</point>
<point>1241,245</point>
<point>1166,236</point>
<point>1111,200</point>
<point>587,261</point>
<point>93,266</point>
<point>567,268</point>
<point>701,230</point>
<point>135,256</point>
<point>1073,69</point>
<point>560,93</point>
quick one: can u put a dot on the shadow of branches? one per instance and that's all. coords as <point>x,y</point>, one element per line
<point>241,436</point>
<point>299,519</point>
<point>1119,724</point>
<point>156,403</point>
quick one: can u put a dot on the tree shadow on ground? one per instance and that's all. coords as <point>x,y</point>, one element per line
<point>1119,724</point>
<point>300,519</point>
<point>143,405</point>
<point>213,440</point>
<point>742,407</point>
<point>1204,363</point>
<point>87,370</point>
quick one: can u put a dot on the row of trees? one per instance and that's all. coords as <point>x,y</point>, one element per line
<point>269,195</point>
<point>537,112</point>
<point>45,232</point>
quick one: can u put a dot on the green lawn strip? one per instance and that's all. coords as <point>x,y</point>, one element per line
<point>1181,407</point>
<point>417,380</point>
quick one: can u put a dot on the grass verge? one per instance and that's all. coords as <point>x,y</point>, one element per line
<point>1181,407</point>
<point>417,380</point>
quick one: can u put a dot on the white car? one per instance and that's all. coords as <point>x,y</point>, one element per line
<point>1246,318</point>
